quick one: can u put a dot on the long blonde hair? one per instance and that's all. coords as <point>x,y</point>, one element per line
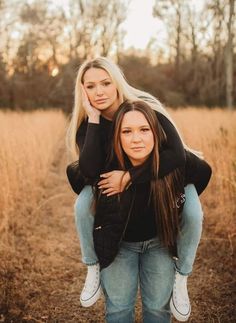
<point>125,92</point>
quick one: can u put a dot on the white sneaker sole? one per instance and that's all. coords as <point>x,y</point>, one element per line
<point>92,300</point>
<point>179,316</point>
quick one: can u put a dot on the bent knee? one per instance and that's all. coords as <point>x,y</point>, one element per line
<point>119,294</point>
<point>192,216</point>
<point>192,211</point>
<point>158,301</point>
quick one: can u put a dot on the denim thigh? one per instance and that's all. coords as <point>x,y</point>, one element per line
<point>120,286</point>
<point>146,263</point>
<point>156,282</point>
<point>190,231</point>
<point>84,220</point>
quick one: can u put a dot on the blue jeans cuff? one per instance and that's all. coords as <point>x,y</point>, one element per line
<point>180,272</point>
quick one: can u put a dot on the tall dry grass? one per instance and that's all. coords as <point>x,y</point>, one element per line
<point>214,133</point>
<point>29,143</point>
<point>28,146</point>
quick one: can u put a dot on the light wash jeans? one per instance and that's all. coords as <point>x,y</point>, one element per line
<point>191,228</point>
<point>145,264</point>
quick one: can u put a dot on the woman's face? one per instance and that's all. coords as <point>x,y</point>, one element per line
<point>101,90</point>
<point>136,137</point>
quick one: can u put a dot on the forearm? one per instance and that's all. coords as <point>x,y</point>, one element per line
<point>144,173</point>
<point>169,161</point>
<point>91,157</point>
<point>197,172</point>
<point>173,154</point>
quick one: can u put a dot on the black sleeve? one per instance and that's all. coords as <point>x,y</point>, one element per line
<point>171,157</point>
<point>197,172</point>
<point>91,158</point>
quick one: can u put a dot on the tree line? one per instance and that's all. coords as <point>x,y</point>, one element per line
<point>43,43</point>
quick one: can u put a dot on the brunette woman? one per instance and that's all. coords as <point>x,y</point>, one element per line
<point>135,232</point>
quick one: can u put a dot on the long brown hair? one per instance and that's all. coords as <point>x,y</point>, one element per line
<point>164,192</point>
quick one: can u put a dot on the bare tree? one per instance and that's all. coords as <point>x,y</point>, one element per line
<point>171,13</point>
<point>108,25</point>
<point>94,26</point>
<point>229,57</point>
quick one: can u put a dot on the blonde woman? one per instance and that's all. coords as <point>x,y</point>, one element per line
<point>99,91</point>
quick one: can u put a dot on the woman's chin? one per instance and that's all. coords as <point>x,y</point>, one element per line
<point>137,160</point>
<point>102,107</point>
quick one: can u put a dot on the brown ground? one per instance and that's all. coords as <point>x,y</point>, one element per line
<point>42,278</point>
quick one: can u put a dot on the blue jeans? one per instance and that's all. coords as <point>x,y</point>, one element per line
<point>84,219</point>
<point>189,237</point>
<point>147,265</point>
<point>190,232</point>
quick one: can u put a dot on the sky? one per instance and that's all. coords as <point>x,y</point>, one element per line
<point>140,25</point>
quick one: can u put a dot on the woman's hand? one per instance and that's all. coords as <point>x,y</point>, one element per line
<point>93,113</point>
<point>114,182</point>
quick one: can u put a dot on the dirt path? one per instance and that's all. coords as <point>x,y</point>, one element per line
<point>42,278</point>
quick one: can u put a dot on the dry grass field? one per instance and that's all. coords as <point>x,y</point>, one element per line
<point>40,271</point>
<point>28,145</point>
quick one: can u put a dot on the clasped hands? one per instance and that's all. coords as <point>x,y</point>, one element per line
<point>114,182</point>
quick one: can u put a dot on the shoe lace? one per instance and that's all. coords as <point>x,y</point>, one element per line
<point>91,281</point>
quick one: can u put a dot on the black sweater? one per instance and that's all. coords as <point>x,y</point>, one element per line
<point>94,142</point>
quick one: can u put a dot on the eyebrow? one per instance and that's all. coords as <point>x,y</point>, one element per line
<point>108,78</point>
<point>128,127</point>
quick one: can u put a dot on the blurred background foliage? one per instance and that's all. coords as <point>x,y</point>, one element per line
<point>42,44</point>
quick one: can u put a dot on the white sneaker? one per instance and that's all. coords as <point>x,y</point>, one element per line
<point>179,302</point>
<point>92,287</point>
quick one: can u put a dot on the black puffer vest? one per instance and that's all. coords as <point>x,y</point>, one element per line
<point>111,219</point>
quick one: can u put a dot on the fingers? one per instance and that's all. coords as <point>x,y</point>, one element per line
<point>104,186</point>
<point>83,91</point>
<point>113,193</point>
<point>106,175</point>
<point>84,94</point>
<point>103,182</point>
<point>85,99</point>
<point>110,192</point>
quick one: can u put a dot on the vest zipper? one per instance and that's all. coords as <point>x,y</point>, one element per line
<point>102,226</point>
